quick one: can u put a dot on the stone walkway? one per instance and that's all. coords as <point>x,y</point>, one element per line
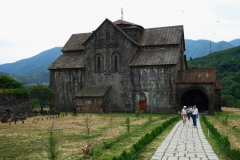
<point>185,143</point>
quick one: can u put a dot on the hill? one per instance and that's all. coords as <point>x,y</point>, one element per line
<point>29,66</point>
<point>227,67</point>
<point>201,48</point>
<point>40,77</point>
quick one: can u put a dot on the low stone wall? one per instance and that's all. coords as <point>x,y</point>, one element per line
<point>10,100</point>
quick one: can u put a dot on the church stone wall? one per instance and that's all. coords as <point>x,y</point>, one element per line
<point>66,83</point>
<point>112,43</point>
<point>157,83</point>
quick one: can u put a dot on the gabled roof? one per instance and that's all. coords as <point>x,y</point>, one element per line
<point>75,42</point>
<point>156,57</point>
<point>93,91</point>
<point>122,32</point>
<point>197,75</point>
<point>150,37</point>
<point>161,36</point>
<point>67,61</point>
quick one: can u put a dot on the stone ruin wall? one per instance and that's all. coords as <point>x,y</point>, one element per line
<point>10,100</point>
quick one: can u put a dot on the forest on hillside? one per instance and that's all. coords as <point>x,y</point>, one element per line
<point>39,77</point>
<point>227,65</point>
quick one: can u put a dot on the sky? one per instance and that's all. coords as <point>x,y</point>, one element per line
<point>28,27</point>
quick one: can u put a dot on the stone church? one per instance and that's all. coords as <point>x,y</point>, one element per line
<point>122,66</point>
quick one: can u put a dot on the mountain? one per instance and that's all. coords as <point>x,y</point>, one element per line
<point>225,61</point>
<point>40,77</point>
<point>235,42</point>
<point>201,48</point>
<point>29,66</point>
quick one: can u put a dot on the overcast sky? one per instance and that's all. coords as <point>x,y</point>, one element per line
<point>28,27</point>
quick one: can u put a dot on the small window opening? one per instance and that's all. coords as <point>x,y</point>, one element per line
<point>99,64</point>
<point>115,67</point>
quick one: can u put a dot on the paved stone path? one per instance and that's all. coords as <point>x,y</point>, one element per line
<point>185,143</point>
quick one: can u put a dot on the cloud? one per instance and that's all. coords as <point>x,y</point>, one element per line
<point>31,27</point>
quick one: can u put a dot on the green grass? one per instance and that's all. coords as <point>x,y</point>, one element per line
<point>219,151</point>
<point>124,142</point>
<point>19,141</point>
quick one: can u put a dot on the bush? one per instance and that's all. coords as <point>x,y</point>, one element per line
<point>145,140</point>
<point>223,140</point>
<point>237,104</point>
<point>107,145</point>
<point>138,113</point>
<point>226,98</point>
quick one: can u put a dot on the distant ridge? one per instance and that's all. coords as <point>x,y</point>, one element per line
<point>29,66</point>
<point>201,48</point>
<point>36,78</point>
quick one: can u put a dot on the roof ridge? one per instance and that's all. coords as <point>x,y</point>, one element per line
<point>163,27</point>
<point>119,29</point>
<point>82,33</point>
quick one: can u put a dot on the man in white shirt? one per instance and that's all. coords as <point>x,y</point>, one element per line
<point>194,116</point>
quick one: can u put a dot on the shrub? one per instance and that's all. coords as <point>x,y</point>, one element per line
<point>223,140</point>
<point>107,145</point>
<point>138,112</point>
<point>128,125</point>
<point>145,140</point>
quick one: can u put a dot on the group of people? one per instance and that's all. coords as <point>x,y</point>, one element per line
<point>190,112</point>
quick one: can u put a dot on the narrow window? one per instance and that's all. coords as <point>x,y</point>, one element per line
<point>115,63</point>
<point>99,64</point>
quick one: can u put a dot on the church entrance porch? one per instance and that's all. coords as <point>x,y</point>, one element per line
<point>195,97</point>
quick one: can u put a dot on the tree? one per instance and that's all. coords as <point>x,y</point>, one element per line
<point>237,77</point>
<point>9,83</point>
<point>234,90</point>
<point>190,58</point>
<point>225,99</point>
<point>43,94</point>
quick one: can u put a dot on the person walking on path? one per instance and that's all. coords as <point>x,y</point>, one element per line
<point>189,112</point>
<point>194,116</point>
<point>184,114</point>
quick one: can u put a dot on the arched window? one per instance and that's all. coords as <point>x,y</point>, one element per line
<point>99,62</point>
<point>115,62</point>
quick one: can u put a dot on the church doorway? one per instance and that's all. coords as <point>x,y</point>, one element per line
<point>195,97</point>
<point>107,106</point>
<point>142,105</point>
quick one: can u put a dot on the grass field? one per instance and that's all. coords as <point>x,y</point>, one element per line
<point>30,140</point>
<point>228,124</point>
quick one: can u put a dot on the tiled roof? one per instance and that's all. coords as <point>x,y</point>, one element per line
<point>67,61</point>
<point>156,57</point>
<point>120,21</point>
<point>161,36</point>
<point>75,42</point>
<point>197,75</point>
<point>93,91</point>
